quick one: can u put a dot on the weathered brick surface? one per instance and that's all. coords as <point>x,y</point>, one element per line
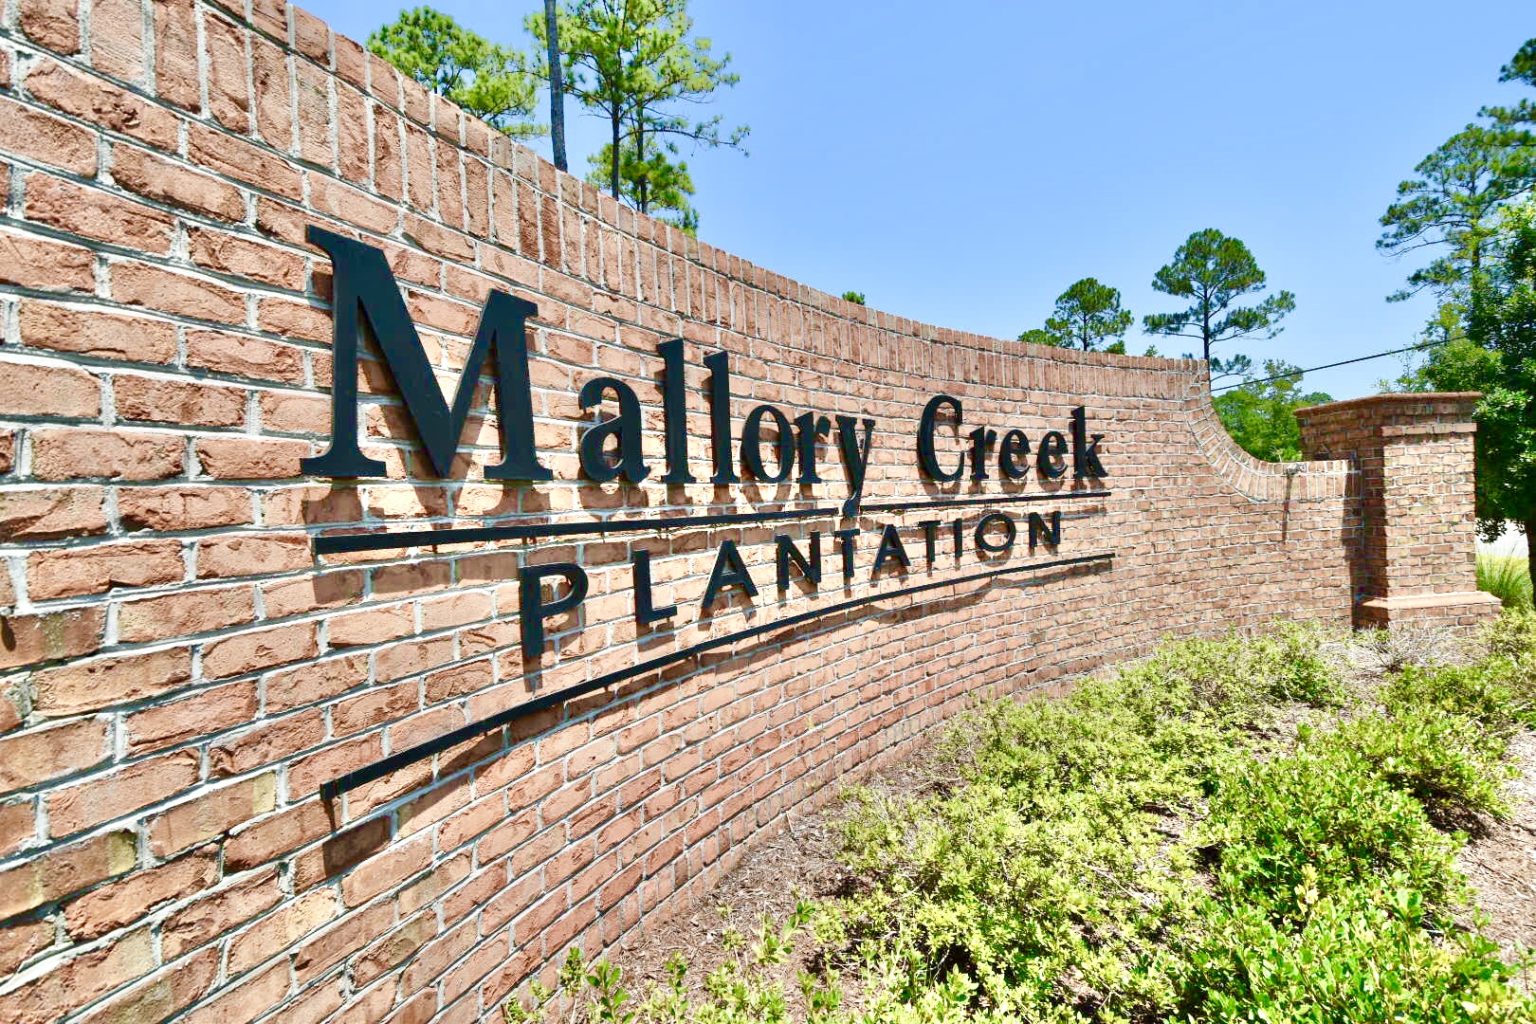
<point>181,674</point>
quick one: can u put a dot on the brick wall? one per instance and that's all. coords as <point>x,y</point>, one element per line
<point>181,674</point>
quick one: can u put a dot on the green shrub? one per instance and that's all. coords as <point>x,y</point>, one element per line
<point>1318,823</point>
<point>1499,692</point>
<point>1449,764</point>
<point>1513,634</point>
<point>1506,577</point>
<point>1361,956</point>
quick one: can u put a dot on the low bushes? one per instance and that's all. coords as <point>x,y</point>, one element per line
<point>1166,843</point>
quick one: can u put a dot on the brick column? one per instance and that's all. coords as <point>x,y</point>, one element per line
<point>1412,545</point>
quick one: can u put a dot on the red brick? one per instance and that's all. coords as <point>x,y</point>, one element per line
<point>245,554</point>
<point>312,593</point>
<point>78,982</point>
<point>267,743</point>
<point>245,256</point>
<point>210,814</point>
<point>18,829</point>
<point>269,73</point>
<point>157,178</point>
<point>184,613</point>
<point>96,333</point>
<point>244,653</point>
<point>30,758</point>
<point>68,572</point>
<point>117,39</point>
<point>123,902</point>
<point>183,508</point>
<point>251,458</point>
<point>247,999</point>
<point>288,412</point>
<point>314,102</point>
<point>176,75</point>
<point>243,161</point>
<point>31,389</point>
<point>96,100</point>
<point>43,264</point>
<point>163,994</point>
<point>21,941</point>
<point>47,139</point>
<point>65,870</point>
<point>227,94</point>
<point>165,400</point>
<point>370,627</point>
<point>90,686</point>
<point>140,284</point>
<point>33,639</point>
<point>219,913</point>
<point>281,930</point>
<point>201,714</point>
<point>50,513</point>
<point>242,356</point>
<point>351,205</point>
<point>113,794</point>
<point>116,454</point>
<point>52,24</point>
<point>96,214</point>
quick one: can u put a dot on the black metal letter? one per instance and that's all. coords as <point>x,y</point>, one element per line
<point>752,445</point>
<point>1015,444</point>
<point>719,364</point>
<point>646,611</point>
<point>1049,457</point>
<point>809,429</point>
<point>926,455</point>
<point>1085,453</point>
<point>533,609</point>
<point>729,571</point>
<point>855,457</point>
<point>674,405</point>
<point>786,552</point>
<point>363,288</point>
<point>625,428</point>
<point>891,547</point>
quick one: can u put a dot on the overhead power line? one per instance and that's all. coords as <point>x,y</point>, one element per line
<point>1328,366</point>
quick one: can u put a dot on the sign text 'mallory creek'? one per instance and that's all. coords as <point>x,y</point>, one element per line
<point>774,446</point>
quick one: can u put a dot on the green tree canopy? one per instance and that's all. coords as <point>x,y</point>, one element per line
<point>1260,414</point>
<point>1452,205</point>
<point>1495,354</point>
<point>486,79</point>
<point>1213,271</point>
<point>1087,314</point>
<point>657,185</point>
<point>632,62</point>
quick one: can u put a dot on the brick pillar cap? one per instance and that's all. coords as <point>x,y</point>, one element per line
<point>1465,399</point>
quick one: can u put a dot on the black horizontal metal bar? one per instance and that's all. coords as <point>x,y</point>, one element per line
<point>422,751</point>
<point>352,542</point>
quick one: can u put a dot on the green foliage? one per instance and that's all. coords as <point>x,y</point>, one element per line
<point>656,184</point>
<point>1145,849</point>
<point>1087,314</point>
<point>855,297</point>
<point>1261,414</point>
<point>1506,577</point>
<point>1366,955</point>
<point>1450,764</point>
<point>1498,692</point>
<point>632,62</point>
<point>1452,205</point>
<point>486,79</point>
<point>1213,271</point>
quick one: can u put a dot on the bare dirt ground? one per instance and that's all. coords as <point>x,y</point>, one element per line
<point>1501,864</point>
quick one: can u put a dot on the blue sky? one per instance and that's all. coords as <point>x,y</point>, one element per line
<point>965,174</point>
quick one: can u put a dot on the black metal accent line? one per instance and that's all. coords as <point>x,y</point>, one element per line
<point>394,762</point>
<point>351,542</point>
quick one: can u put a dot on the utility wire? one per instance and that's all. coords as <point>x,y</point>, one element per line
<point>1328,366</point>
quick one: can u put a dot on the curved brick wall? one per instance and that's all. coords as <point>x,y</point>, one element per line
<point>183,673</point>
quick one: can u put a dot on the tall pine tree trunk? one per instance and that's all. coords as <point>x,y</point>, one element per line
<point>1530,551</point>
<point>613,163</point>
<point>556,85</point>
